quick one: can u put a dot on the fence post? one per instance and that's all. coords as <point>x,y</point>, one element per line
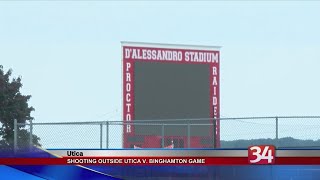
<point>188,134</point>
<point>162,133</point>
<point>15,136</point>
<point>277,132</point>
<point>30,136</point>
<point>101,136</point>
<point>107,135</point>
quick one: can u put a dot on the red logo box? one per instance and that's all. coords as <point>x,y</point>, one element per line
<point>262,154</point>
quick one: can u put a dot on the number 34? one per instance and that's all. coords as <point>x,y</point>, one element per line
<point>261,154</point>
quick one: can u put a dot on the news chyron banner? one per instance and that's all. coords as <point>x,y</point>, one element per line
<point>256,162</point>
<point>170,82</point>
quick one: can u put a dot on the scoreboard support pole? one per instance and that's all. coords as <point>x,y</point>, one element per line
<point>214,133</point>
<point>214,129</point>
<point>189,136</point>
<point>162,133</point>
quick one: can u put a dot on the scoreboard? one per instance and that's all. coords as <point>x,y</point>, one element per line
<point>164,85</point>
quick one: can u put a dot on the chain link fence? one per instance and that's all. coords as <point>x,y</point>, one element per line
<point>283,132</point>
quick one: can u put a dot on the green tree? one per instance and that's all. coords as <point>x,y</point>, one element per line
<point>13,105</point>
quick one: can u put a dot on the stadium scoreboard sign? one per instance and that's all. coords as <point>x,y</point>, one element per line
<point>163,84</point>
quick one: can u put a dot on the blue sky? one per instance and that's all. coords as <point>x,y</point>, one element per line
<point>68,53</point>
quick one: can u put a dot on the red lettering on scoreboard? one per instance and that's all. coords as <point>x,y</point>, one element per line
<point>128,95</point>
<point>173,55</point>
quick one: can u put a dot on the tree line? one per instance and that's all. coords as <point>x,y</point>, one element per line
<point>286,142</point>
<point>14,106</point>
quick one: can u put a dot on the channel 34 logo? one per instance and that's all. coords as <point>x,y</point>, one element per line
<point>262,154</point>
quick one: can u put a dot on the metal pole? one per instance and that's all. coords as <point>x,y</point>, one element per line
<point>107,135</point>
<point>162,132</point>
<point>101,136</point>
<point>277,132</point>
<point>15,136</point>
<point>188,134</point>
<point>30,138</point>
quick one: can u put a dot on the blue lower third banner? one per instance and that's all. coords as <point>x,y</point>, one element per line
<point>257,162</point>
